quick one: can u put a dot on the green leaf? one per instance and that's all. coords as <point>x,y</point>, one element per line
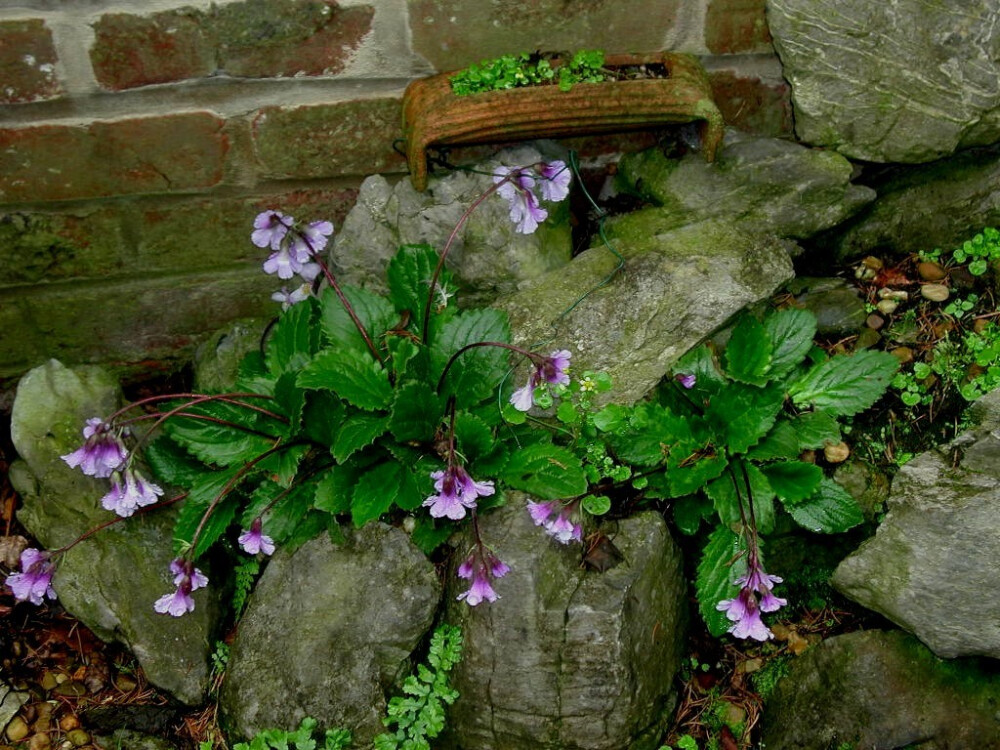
<point>701,363</point>
<point>416,412</point>
<point>293,339</point>
<point>720,565</point>
<point>375,312</point>
<point>414,487</point>
<point>596,505</point>
<point>409,277</point>
<point>744,414</point>
<point>335,489</point>
<point>748,353</point>
<point>651,434</point>
<point>611,418</point>
<point>358,431</point>
<point>689,511</point>
<point>781,442</point>
<point>722,491</point>
<point>322,416</point>
<point>375,492</point>
<point>793,481</point>
<point>284,463</point>
<point>477,372</point>
<point>791,333</point>
<point>830,510</point>
<point>816,429</point>
<point>290,401</point>
<point>216,443</point>
<point>287,513</point>
<point>845,384</point>
<point>473,436</point>
<point>172,464</point>
<point>203,493</point>
<point>686,477</point>
<point>408,359</point>
<point>548,472</point>
<point>429,534</point>
<point>567,413</point>
<point>355,377</point>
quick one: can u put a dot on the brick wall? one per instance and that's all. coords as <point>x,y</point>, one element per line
<point>138,138</point>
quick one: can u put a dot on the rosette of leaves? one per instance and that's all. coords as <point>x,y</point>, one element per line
<point>729,450</point>
<point>353,425</point>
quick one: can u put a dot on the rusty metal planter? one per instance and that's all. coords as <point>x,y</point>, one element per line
<point>433,115</point>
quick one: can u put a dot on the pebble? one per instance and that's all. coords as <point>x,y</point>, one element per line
<point>78,737</point>
<point>71,688</point>
<point>935,292</point>
<point>17,729</point>
<point>930,271</point>
<point>887,306</point>
<point>903,353</point>
<point>875,321</point>
<point>838,453</point>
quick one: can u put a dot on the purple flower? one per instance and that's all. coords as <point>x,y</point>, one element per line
<point>551,369</point>
<point>554,182</point>
<point>456,492</point>
<point>255,540</point>
<point>135,492</point>
<point>481,565</point>
<point>540,512</point>
<point>34,582</point>
<point>562,527</point>
<point>187,578</point>
<point>270,228</point>
<point>748,624</point>
<point>103,452</point>
<point>687,381</point>
<point>516,185</point>
<point>311,239</point>
<point>289,298</point>
<point>745,609</point>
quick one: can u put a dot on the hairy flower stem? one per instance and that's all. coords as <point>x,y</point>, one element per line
<point>332,280</point>
<point>118,519</point>
<point>537,359</point>
<point>197,398</point>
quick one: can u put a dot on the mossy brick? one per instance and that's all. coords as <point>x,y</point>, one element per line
<point>150,155</point>
<point>27,62</point>
<point>131,324</point>
<point>454,33</point>
<point>260,38</point>
<point>329,140</point>
<point>753,104</point>
<point>131,50</point>
<point>736,26</point>
<point>141,237</point>
<point>255,39</point>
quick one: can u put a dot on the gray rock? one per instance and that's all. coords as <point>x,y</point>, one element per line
<point>932,563</point>
<point>127,738</point>
<point>217,360</point>
<point>678,285</point>
<point>111,580</point>
<point>328,631</point>
<point>837,305</point>
<point>904,81</point>
<point>569,659</point>
<point>866,485</point>
<point>875,689</point>
<point>766,184</point>
<point>937,205</point>
<point>11,701</point>
<point>488,256</point>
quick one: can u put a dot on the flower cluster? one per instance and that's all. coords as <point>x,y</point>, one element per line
<point>102,454</point>
<point>551,370</point>
<point>255,540</point>
<point>744,611</point>
<point>187,578</point>
<point>456,491</point>
<point>517,185</point>
<point>482,566</point>
<point>561,522</point>
<point>295,249</point>
<point>34,582</point>
<point>129,492</point>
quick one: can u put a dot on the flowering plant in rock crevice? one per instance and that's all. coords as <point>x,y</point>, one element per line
<point>362,404</point>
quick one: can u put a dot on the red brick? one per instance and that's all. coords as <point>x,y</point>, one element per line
<point>132,50</point>
<point>751,104</point>
<point>123,157</point>
<point>736,26</point>
<point>27,62</point>
<point>260,38</point>
<point>329,140</point>
<point>454,33</point>
<point>254,38</point>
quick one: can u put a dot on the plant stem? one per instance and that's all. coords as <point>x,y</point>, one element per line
<point>536,358</point>
<point>118,519</point>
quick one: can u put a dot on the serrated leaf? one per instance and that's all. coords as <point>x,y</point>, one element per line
<point>335,488</point>
<point>408,359</point>
<point>744,414</point>
<point>816,429</point>
<point>701,363</point>
<point>793,481</point>
<point>416,412</point>
<point>290,401</point>
<point>845,384</point>
<point>213,439</point>
<point>288,509</point>
<point>353,376</point>
<point>356,432</point>
<point>476,373</point>
<point>781,442</point>
<point>194,508</point>
<point>375,492</point>
<point>292,341</point>
<point>748,353</point>
<point>473,437</point>
<point>611,418</point>
<point>652,433</point>
<point>409,277</point>
<point>375,312</point>
<point>723,492</point>
<point>284,463</point>
<point>687,476</point>
<point>414,487</point>
<point>690,510</point>
<point>720,565</point>
<point>322,416</point>
<point>791,333</point>
<point>548,472</point>
<point>829,510</point>
<point>172,464</point>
